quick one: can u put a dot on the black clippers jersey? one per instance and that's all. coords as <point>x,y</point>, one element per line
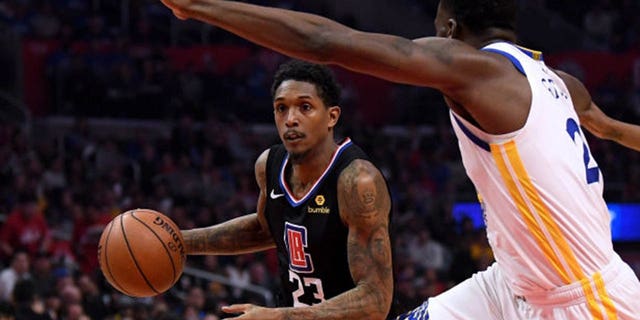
<point>311,238</point>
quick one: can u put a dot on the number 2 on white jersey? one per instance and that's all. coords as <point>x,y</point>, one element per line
<point>573,129</point>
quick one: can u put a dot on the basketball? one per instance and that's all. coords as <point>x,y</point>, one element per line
<point>141,253</point>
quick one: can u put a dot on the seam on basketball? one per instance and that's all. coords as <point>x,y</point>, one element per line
<point>163,245</point>
<point>106,261</point>
<point>135,261</point>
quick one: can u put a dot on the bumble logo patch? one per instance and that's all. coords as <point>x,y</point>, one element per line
<point>320,201</point>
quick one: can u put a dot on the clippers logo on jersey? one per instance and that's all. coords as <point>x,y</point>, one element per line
<point>295,237</point>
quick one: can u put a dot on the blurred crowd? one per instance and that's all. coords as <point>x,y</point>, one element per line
<point>611,24</point>
<point>57,192</point>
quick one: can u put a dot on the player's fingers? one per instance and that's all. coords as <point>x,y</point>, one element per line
<point>176,12</point>
<point>180,15</point>
<point>167,3</point>
<point>236,308</point>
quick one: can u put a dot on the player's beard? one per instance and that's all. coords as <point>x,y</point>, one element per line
<point>298,157</point>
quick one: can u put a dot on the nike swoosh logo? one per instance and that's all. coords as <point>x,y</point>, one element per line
<point>273,195</point>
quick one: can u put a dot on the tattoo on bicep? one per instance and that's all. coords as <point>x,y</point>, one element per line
<point>362,196</point>
<point>369,199</point>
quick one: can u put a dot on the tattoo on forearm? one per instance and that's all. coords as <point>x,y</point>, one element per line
<point>237,235</point>
<point>380,250</point>
<point>196,242</point>
<point>374,256</point>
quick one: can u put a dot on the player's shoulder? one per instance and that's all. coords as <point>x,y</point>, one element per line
<point>263,157</point>
<point>260,166</point>
<point>357,172</point>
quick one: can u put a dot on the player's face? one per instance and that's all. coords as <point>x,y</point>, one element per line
<point>302,119</point>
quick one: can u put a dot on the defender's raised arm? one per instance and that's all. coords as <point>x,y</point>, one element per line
<point>434,62</point>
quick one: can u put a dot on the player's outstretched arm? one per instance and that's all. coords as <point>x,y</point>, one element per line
<point>364,203</point>
<point>435,62</point>
<point>605,127</point>
<point>244,234</point>
<point>596,121</point>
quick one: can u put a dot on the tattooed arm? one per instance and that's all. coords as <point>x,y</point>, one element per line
<point>245,234</point>
<point>365,204</point>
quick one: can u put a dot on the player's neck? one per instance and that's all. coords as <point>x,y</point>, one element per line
<point>306,171</point>
<point>491,35</point>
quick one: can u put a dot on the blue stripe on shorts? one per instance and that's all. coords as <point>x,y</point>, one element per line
<point>419,313</point>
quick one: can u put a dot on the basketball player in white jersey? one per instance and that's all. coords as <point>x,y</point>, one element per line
<point>518,124</point>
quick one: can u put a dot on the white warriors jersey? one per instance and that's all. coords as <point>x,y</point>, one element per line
<point>541,189</point>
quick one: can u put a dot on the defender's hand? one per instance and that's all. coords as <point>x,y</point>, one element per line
<point>179,7</point>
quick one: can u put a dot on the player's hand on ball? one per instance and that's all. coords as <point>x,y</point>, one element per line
<point>253,312</point>
<point>179,7</point>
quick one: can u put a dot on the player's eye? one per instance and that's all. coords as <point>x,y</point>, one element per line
<point>306,107</point>
<point>280,108</point>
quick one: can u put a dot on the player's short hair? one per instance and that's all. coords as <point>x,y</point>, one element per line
<point>479,15</point>
<point>318,75</point>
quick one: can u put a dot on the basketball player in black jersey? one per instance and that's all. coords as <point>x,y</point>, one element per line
<point>322,204</point>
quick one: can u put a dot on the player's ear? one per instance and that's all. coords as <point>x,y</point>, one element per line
<point>334,115</point>
<point>452,25</point>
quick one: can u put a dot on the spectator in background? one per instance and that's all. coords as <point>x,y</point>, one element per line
<point>429,253</point>
<point>18,270</point>
<point>6,311</point>
<point>194,304</point>
<point>42,274</point>
<point>28,306</point>
<point>26,228</point>
<point>88,224</point>
<point>45,23</point>
<point>238,274</point>
<point>599,22</point>
<point>74,311</point>
<point>92,301</point>
<point>54,177</point>
<point>72,300</point>
<point>53,304</point>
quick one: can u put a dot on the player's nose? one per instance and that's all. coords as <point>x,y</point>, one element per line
<point>292,118</point>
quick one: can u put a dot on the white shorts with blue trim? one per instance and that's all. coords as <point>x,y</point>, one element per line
<point>487,296</point>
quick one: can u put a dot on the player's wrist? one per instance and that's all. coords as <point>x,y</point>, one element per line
<point>283,313</point>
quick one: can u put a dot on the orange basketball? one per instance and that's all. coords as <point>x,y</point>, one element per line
<point>141,253</point>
